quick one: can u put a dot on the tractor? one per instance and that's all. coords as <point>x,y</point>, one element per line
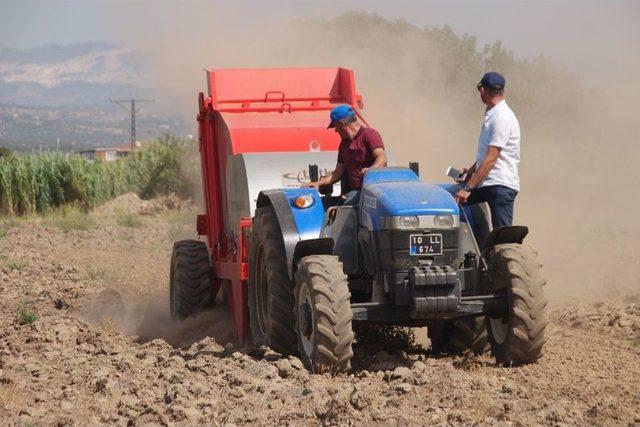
<point>298,269</point>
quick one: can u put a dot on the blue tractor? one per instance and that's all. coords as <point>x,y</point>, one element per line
<point>406,255</point>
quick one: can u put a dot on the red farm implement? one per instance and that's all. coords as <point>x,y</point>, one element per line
<point>259,129</point>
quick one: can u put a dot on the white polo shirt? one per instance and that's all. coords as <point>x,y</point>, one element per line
<point>501,129</point>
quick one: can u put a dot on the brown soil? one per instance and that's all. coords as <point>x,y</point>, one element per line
<point>104,351</point>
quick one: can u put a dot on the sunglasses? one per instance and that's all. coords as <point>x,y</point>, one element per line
<point>479,86</point>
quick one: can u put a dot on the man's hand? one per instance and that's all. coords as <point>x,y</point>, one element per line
<point>464,176</point>
<point>462,196</point>
<point>363,170</point>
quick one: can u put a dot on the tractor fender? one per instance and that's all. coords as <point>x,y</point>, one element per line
<point>296,224</point>
<point>508,234</point>
<point>321,246</point>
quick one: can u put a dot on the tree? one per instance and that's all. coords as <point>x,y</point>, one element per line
<point>5,152</point>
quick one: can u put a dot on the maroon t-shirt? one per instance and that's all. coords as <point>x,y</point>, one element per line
<point>357,153</point>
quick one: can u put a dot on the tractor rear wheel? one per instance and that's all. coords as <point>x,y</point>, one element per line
<point>323,315</point>
<point>270,289</point>
<point>518,336</point>
<point>460,335</point>
<point>190,290</point>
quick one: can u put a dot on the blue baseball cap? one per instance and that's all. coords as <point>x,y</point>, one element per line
<point>492,80</point>
<point>339,113</point>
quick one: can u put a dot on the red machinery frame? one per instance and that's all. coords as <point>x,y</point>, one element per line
<point>258,110</point>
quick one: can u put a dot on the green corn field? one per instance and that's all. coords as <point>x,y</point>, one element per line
<point>35,183</point>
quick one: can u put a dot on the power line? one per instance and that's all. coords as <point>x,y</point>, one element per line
<point>132,110</point>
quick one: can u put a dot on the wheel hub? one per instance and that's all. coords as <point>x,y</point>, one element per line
<point>306,327</point>
<point>305,319</point>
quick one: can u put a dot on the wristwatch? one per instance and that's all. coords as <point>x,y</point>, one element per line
<point>467,188</point>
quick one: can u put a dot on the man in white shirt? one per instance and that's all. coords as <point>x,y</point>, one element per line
<point>493,178</point>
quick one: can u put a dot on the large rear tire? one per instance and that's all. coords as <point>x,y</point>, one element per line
<point>190,290</point>
<point>270,289</point>
<point>518,336</point>
<point>460,335</point>
<point>323,315</point>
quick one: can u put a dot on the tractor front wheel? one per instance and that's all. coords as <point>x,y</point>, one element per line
<point>190,290</point>
<point>323,315</point>
<point>517,337</point>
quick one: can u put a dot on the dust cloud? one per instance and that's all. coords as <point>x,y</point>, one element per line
<point>579,152</point>
<point>148,317</point>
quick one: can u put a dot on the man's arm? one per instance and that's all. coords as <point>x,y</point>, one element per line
<point>500,133</point>
<point>380,160</point>
<point>375,144</point>
<point>478,176</point>
<point>332,178</point>
<point>487,164</point>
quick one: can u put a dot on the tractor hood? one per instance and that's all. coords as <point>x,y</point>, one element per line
<point>399,192</point>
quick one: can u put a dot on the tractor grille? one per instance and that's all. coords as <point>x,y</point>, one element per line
<point>392,249</point>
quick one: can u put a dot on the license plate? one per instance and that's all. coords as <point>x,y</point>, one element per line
<point>425,244</point>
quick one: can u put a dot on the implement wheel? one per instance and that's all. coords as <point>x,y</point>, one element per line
<point>190,290</point>
<point>270,289</point>
<point>323,315</point>
<point>518,336</point>
<point>458,336</point>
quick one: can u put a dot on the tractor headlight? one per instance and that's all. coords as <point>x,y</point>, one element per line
<point>444,221</point>
<point>303,202</point>
<point>412,222</point>
<point>409,221</point>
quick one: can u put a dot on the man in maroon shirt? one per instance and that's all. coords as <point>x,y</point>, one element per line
<point>360,149</point>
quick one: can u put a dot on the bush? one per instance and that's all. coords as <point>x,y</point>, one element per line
<point>129,219</point>
<point>36,183</point>
<point>26,315</point>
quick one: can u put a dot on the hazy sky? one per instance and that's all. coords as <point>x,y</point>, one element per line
<point>593,34</point>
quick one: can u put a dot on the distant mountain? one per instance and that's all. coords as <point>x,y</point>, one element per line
<point>75,75</point>
<point>64,91</point>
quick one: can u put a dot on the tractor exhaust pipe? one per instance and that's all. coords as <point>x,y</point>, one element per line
<point>415,167</point>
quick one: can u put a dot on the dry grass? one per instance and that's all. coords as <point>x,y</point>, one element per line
<point>128,219</point>
<point>70,218</point>
<point>10,398</point>
<point>26,314</point>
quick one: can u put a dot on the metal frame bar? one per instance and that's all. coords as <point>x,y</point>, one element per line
<point>391,313</point>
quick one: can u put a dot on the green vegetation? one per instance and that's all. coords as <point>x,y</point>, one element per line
<point>69,218</point>
<point>26,315</point>
<point>16,265</point>
<point>5,152</point>
<point>129,219</point>
<point>5,225</point>
<point>37,183</point>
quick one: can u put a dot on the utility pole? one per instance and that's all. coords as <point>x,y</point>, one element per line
<point>132,110</point>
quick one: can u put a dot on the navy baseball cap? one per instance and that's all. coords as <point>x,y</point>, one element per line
<point>339,113</point>
<point>492,80</point>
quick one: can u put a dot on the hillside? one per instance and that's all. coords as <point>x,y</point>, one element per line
<point>63,92</point>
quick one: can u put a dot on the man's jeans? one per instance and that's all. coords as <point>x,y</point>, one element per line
<point>351,198</point>
<point>499,198</point>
